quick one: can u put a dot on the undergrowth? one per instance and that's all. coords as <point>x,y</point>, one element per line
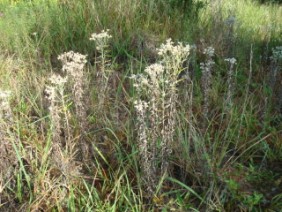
<point>129,105</point>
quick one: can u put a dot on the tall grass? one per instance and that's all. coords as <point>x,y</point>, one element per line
<point>199,127</point>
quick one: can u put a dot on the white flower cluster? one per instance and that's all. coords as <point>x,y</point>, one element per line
<point>140,105</point>
<point>158,86</point>
<point>73,64</point>
<point>51,91</point>
<point>55,91</point>
<point>57,84</point>
<point>72,61</point>
<point>172,50</point>
<point>155,71</point>
<point>140,81</point>
<point>231,60</point>
<point>101,39</point>
<point>206,67</point>
<point>104,65</point>
<point>209,51</point>
<point>58,80</point>
<point>152,81</point>
<point>102,35</point>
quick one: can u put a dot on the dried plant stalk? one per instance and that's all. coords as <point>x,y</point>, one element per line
<point>157,114</point>
<point>230,82</point>
<point>73,65</point>
<point>206,79</point>
<point>104,65</point>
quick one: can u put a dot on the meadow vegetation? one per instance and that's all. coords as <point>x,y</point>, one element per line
<point>140,105</point>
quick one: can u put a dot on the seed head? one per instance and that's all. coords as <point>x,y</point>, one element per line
<point>231,60</point>
<point>176,51</point>
<point>101,39</point>
<point>72,61</point>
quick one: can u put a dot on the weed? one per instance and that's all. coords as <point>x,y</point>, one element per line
<point>206,79</point>
<point>104,65</point>
<point>159,86</point>
<point>189,133</point>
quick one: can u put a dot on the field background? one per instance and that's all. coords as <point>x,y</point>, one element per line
<point>83,152</point>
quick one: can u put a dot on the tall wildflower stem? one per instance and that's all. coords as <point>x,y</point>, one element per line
<point>101,40</point>
<point>230,82</point>
<point>172,57</point>
<point>206,79</point>
<point>55,96</point>
<point>145,147</point>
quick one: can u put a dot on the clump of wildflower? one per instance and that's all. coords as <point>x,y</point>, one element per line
<point>206,78</point>
<point>55,93</point>
<point>158,86</point>
<point>230,82</point>
<point>155,72</point>
<point>173,55</point>
<point>209,51</point>
<point>177,51</point>
<point>104,72</point>
<point>63,153</point>
<point>148,136</point>
<point>146,147</point>
<point>73,65</point>
<point>72,61</point>
<point>55,90</point>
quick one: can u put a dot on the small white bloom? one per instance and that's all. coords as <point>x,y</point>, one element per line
<point>101,39</point>
<point>58,80</point>
<point>209,51</point>
<point>140,106</point>
<point>102,35</point>
<point>231,60</point>
<point>154,69</point>
<point>175,51</point>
